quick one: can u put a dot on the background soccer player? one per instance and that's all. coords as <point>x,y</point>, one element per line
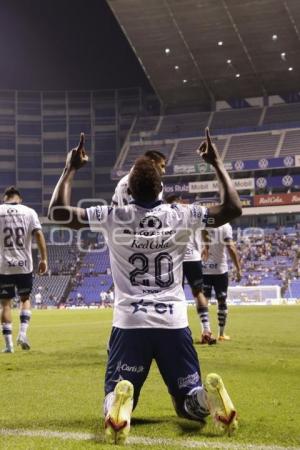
<point>215,269</point>
<point>122,195</point>
<point>192,271</point>
<point>147,242</point>
<point>18,225</point>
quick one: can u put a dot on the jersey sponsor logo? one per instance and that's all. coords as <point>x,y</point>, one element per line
<point>150,244</point>
<point>12,211</point>
<point>143,306</point>
<point>124,367</point>
<point>210,265</point>
<point>151,222</point>
<point>190,380</point>
<point>151,291</point>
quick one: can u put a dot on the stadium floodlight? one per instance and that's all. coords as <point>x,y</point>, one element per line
<point>176,67</point>
<point>167,51</point>
<point>283,55</point>
<point>237,75</point>
<point>228,61</point>
<point>290,69</point>
<point>274,37</point>
<point>184,81</point>
<point>220,43</point>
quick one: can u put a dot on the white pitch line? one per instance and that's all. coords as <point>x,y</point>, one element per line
<point>140,440</point>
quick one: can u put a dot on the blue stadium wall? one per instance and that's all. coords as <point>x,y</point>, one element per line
<point>37,128</point>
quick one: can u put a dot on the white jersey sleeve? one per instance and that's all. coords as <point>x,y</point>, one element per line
<point>121,195</point>
<point>35,221</point>
<point>17,223</point>
<point>147,247</point>
<point>227,232</point>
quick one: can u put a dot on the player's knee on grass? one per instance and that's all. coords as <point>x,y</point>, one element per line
<point>189,407</point>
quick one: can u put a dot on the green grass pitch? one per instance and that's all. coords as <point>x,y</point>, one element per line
<point>58,385</point>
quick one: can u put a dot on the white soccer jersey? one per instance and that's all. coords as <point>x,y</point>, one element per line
<point>121,196</point>
<point>217,262</point>
<point>103,296</point>
<point>193,249</point>
<point>17,223</point>
<point>147,247</point>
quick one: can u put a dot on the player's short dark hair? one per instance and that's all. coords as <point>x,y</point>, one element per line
<point>173,198</point>
<point>144,181</point>
<point>11,191</point>
<point>155,155</point>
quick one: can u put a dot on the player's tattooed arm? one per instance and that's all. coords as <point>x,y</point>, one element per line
<point>60,209</point>
<point>230,206</point>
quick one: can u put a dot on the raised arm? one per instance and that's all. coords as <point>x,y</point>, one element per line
<point>41,243</point>
<point>60,209</point>
<point>230,206</point>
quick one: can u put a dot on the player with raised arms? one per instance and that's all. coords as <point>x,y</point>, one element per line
<point>147,241</point>
<point>18,225</point>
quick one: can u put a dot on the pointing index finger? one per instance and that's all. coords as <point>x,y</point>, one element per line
<point>81,141</point>
<point>208,138</point>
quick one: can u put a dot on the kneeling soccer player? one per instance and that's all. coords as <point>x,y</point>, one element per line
<point>147,241</point>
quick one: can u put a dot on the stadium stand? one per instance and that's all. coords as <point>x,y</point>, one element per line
<point>252,146</point>
<point>250,133</point>
<point>52,289</point>
<point>145,124</point>
<point>183,125</point>
<point>88,292</point>
<point>38,127</point>
<point>236,119</point>
<point>283,115</point>
<point>291,143</point>
<point>186,150</point>
<point>136,150</point>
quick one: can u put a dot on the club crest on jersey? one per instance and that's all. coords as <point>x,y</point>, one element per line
<point>151,222</point>
<point>12,211</point>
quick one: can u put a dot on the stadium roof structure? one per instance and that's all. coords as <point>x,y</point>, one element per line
<point>200,51</point>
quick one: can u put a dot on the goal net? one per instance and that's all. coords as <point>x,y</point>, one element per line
<point>263,295</point>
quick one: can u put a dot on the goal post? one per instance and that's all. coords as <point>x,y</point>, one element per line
<point>254,295</point>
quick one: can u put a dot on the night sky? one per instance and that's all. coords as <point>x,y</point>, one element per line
<point>64,44</point>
